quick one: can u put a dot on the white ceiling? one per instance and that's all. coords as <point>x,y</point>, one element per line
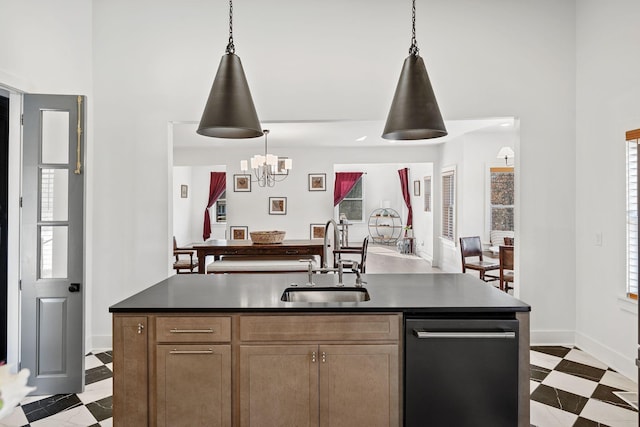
<point>334,133</point>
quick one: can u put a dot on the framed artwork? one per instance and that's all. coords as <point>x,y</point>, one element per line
<point>317,182</point>
<point>316,231</point>
<point>277,205</point>
<point>280,169</point>
<point>238,232</point>
<point>184,191</point>
<point>427,194</point>
<point>416,188</point>
<point>242,183</point>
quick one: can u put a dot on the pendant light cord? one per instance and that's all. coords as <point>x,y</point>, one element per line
<point>413,50</point>
<point>231,47</point>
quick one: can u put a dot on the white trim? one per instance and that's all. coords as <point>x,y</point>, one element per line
<point>623,364</point>
<point>13,233</point>
<point>101,343</point>
<point>552,337</point>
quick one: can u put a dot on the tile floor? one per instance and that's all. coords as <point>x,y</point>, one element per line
<point>568,388</point>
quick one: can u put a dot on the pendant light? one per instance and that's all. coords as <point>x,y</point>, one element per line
<point>414,112</point>
<point>229,112</point>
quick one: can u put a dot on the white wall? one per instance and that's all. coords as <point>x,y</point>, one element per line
<point>308,207</point>
<point>608,89</point>
<point>45,47</point>
<point>154,61</point>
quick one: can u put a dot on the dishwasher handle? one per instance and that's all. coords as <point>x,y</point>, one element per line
<point>422,334</point>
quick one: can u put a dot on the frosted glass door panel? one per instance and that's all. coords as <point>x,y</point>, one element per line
<point>54,195</point>
<point>54,241</point>
<point>55,137</point>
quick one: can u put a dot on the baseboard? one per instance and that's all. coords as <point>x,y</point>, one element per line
<point>615,360</point>
<point>101,343</point>
<point>553,338</point>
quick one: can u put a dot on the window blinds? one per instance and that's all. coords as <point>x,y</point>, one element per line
<point>448,204</point>
<point>632,216</point>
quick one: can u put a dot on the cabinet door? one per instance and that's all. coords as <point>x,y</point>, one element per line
<point>359,385</point>
<point>278,385</point>
<point>193,385</point>
<point>130,389</point>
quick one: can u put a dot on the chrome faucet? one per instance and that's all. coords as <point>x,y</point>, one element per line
<point>336,241</point>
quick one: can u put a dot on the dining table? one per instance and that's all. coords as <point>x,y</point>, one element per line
<point>221,247</point>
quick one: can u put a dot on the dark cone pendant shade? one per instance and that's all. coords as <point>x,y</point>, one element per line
<point>414,112</point>
<point>230,112</point>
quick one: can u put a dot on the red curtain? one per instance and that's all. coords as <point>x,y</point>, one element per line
<point>217,185</point>
<point>404,185</point>
<point>345,181</point>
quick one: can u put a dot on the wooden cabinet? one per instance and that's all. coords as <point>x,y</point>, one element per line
<point>192,375</point>
<point>130,366</point>
<point>359,385</point>
<point>193,385</point>
<point>278,385</point>
<point>348,376</point>
<point>281,370</point>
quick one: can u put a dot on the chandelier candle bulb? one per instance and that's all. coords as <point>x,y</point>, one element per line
<point>268,168</point>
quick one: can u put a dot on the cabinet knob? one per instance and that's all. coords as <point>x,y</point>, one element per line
<point>324,357</point>
<point>140,328</point>
<point>313,357</point>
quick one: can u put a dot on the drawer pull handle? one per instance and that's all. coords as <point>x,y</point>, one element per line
<point>175,351</point>
<point>502,335</point>
<point>292,252</point>
<point>191,331</point>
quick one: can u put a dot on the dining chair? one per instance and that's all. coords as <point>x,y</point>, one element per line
<point>182,264</point>
<point>357,250</point>
<point>471,247</point>
<point>506,267</point>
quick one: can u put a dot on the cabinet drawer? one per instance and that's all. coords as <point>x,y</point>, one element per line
<point>193,329</point>
<point>355,327</point>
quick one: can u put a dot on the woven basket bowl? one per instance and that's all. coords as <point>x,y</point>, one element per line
<point>266,237</point>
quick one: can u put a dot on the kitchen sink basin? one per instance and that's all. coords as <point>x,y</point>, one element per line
<point>325,294</point>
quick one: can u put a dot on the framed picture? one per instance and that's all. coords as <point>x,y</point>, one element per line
<point>184,191</point>
<point>239,232</point>
<point>317,182</point>
<point>427,194</point>
<point>416,188</point>
<point>280,169</point>
<point>242,183</point>
<point>277,205</point>
<point>316,231</point>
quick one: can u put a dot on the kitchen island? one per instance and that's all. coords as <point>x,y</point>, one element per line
<point>226,350</point>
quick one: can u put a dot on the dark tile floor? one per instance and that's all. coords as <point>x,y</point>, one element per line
<point>568,388</point>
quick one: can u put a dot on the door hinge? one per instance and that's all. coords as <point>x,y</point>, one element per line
<point>20,201</point>
<point>19,284</point>
<point>22,119</point>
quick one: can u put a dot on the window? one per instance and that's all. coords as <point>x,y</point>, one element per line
<point>353,203</point>
<point>221,208</point>
<point>502,198</point>
<point>448,204</point>
<point>632,213</point>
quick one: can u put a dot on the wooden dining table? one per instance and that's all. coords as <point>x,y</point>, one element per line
<point>220,247</point>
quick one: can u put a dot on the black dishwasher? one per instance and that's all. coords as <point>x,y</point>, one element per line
<point>461,372</point>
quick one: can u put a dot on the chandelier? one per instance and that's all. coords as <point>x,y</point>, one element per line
<point>268,168</point>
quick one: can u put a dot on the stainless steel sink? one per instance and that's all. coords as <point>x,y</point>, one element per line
<point>325,294</point>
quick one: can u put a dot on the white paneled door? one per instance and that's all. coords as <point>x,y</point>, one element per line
<point>52,239</point>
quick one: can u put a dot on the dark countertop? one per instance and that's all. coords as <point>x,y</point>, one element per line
<point>408,293</point>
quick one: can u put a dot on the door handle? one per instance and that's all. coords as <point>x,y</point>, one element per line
<point>74,287</point>
<point>426,334</point>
